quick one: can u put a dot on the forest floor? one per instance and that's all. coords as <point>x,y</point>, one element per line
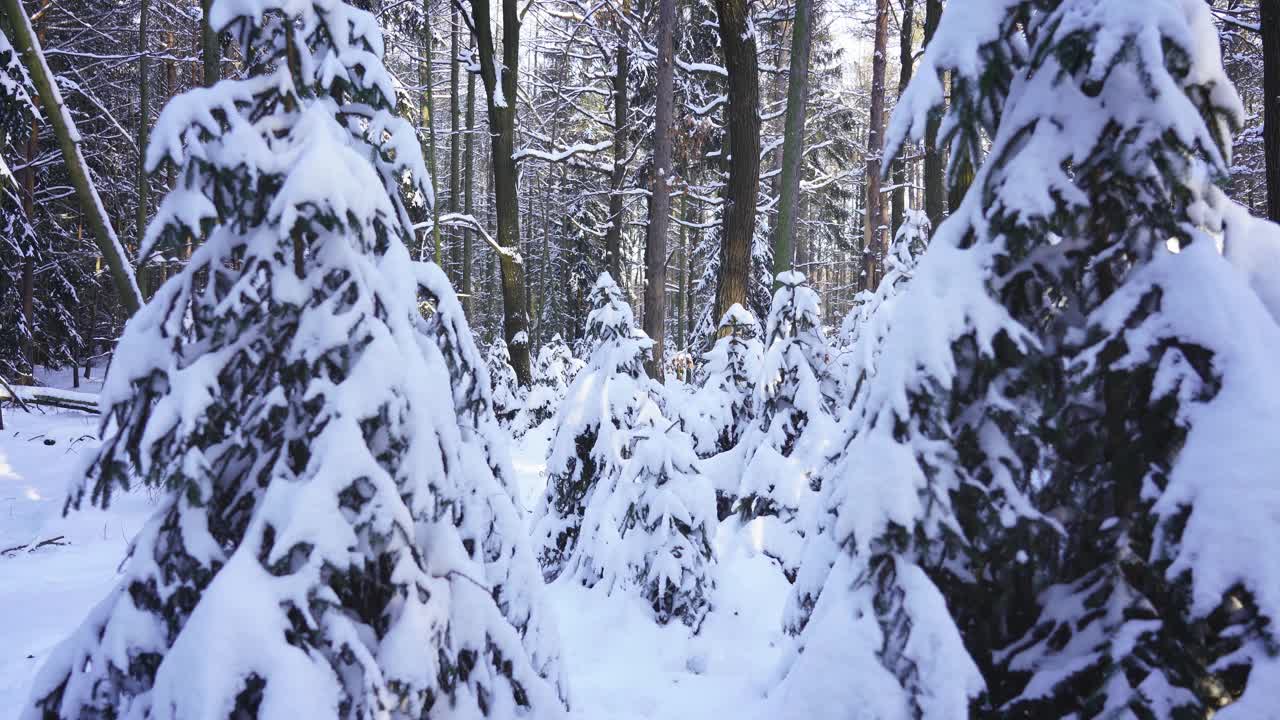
<point>620,664</point>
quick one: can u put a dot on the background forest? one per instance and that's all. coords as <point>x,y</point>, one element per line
<point>581,129</point>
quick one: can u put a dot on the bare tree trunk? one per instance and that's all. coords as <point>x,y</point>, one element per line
<point>621,108</point>
<point>500,88</point>
<point>468,177</point>
<point>426,75</point>
<point>934,194</point>
<point>655,247</point>
<point>210,47</point>
<point>144,110</point>
<point>904,78</point>
<point>1269,22</point>
<point>28,286</point>
<point>875,220</point>
<point>455,147</point>
<point>743,124</point>
<point>683,265</point>
<point>793,138</point>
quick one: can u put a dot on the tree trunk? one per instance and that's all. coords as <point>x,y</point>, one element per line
<point>681,303</point>
<point>904,78</point>
<point>621,108</point>
<point>25,42</point>
<point>793,139</point>
<point>875,220</point>
<point>468,176</point>
<point>934,194</point>
<point>210,47</point>
<point>743,124</point>
<point>28,287</point>
<point>455,147</point>
<point>500,88</point>
<point>144,110</point>
<point>1269,21</point>
<point>426,75</point>
<point>655,247</point>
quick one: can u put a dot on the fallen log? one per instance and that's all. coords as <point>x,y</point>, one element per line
<point>49,397</point>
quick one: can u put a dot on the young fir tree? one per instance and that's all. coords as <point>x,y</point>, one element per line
<point>1109,137</point>
<point>788,403</point>
<point>720,410</point>
<point>485,513</point>
<point>505,385</point>
<point>305,558</point>
<point>608,398</point>
<point>553,372</point>
<point>648,526</point>
<point>864,329</point>
<point>1070,348</point>
<point>16,107</point>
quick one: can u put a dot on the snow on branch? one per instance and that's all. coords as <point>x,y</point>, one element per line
<point>563,154</point>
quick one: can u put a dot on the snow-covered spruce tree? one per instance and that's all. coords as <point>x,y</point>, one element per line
<point>506,398</point>
<point>16,107</point>
<point>1064,337</point>
<point>1110,141</point>
<point>788,403</point>
<point>863,328</point>
<point>648,526</point>
<point>886,531</point>
<point>720,409</point>
<point>553,372</point>
<point>303,560</point>
<point>608,398</point>
<point>485,512</point>
<point>795,318</point>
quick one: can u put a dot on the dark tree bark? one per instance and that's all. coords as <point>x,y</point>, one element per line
<point>655,247</point>
<point>144,110</point>
<point>934,193</point>
<point>873,251</point>
<point>468,207</point>
<point>1269,22</point>
<point>455,147</point>
<point>621,109</point>
<point>793,138</point>
<point>742,120</point>
<point>210,47</point>
<point>500,91</point>
<point>904,78</point>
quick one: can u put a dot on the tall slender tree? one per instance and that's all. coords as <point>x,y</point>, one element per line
<point>1269,24</point>
<point>500,75</point>
<point>793,143</point>
<point>874,233</point>
<point>906,37</point>
<point>742,122</point>
<point>655,248</point>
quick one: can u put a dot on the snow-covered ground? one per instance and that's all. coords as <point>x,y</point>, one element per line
<point>621,665</point>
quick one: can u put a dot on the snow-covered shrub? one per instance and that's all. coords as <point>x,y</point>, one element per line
<point>303,560</point>
<point>648,526</point>
<point>553,372</point>
<point>507,395</point>
<point>719,411</point>
<point>606,401</point>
